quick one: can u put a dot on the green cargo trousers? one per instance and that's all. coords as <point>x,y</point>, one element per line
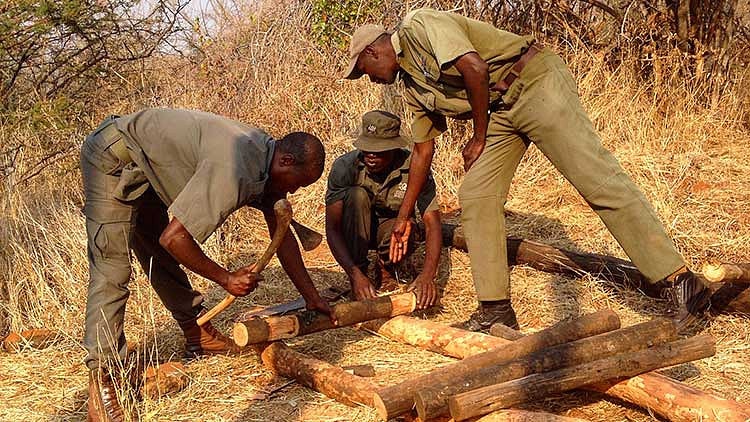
<point>359,223</point>
<point>114,228</point>
<point>542,107</point>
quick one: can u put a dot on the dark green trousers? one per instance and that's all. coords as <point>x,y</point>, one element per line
<point>365,228</point>
<point>114,228</point>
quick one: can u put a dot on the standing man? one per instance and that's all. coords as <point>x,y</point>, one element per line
<point>200,167</point>
<point>516,93</point>
<point>366,188</point>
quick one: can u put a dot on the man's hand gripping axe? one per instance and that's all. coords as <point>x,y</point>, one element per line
<point>283,212</point>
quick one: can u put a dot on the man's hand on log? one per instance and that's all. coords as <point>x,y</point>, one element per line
<point>243,281</point>
<point>323,307</point>
<point>399,239</point>
<point>425,291</point>
<point>362,287</point>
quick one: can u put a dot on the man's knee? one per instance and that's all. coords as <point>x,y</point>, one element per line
<point>357,196</point>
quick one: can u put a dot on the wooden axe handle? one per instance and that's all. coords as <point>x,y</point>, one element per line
<point>283,211</point>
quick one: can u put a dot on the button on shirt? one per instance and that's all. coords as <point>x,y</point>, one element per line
<point>203,166</point>
<point>349,170</point>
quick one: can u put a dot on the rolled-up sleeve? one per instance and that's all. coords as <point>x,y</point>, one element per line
<point>425,125</point>
<point>340,179</point>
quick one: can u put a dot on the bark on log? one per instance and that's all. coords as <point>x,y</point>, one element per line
<point>673,400</point>
<point>36,339</point>
<point>727,296</point>
<point>431,400</point>
<point>533,387</point>
<point>399,399</point>
<point>259,330</point>
<point>518,415</point>
<point>503,331</point>
<point>325,378</point>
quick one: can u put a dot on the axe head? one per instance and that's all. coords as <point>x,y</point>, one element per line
<point>308,238</point>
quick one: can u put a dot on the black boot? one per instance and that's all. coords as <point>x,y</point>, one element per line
<point>689,299</point>
<point>492,312</point>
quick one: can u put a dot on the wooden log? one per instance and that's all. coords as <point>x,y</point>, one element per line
<point>164,379</point>
<point>398,399</point>
<point>435,337</point>
<point>730,295</point>
<point>36,339</point>
<point>727,272</point>
<point>537,386</point>
<point>518,415</point>
<point>313,373</point>
<point>503,331</point>
<point>431,400</point>
<point>674,400</point>
<point>259,330</point>
<point>651,391</point>
<point>330,294</point>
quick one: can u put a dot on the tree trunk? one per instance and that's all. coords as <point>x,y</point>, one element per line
<point>399,399</point>
<point>538,386</point>
<point>259,330</point>
<point>669,398</point>
<point>330,380</point>
<point>431,400</point>
<point>674,400</point>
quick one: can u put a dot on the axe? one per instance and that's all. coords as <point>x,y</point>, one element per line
<point>283,212</point>
<point>309,238</point>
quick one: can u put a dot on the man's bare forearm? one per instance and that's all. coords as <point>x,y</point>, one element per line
<point>475,72</point>
<point>291,260</point>
<point>433,243</point>
<point>419,168</point>
<point>335,238</point>
<point>176,240</point>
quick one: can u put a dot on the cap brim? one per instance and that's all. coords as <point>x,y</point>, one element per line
<point>372,144</point>
<point>351,70</point>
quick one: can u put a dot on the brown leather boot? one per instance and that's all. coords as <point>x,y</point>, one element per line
<point>689,298</point>
<point>206,340</point>
<point>489,313</point>
<point>103,403</point>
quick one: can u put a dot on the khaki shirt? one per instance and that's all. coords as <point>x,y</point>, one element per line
<point>427,42</point>
<point>203,166</point>
<point>348,170</point>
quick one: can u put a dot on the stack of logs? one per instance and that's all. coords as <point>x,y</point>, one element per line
<point>495,374</point>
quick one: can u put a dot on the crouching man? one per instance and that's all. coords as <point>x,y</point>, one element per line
<point>365,190</point>
<point>200,167</point>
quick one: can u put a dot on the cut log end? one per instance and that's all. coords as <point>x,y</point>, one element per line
<point>240,335</point>
<point>380,407</point>
<point>714,272</point>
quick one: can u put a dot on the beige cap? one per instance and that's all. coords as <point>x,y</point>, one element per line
<point>380,132</point>
<point>363,36</point>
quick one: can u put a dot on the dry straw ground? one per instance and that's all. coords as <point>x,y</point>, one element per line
<point>691,161</point>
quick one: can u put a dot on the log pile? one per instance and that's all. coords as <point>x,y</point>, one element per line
<point>494,374</point>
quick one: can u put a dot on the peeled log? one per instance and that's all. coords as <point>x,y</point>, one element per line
<point>652,391</point>
<point>323,377</point>
<point>431,401</point>
<point>538,386</point>
<point>674,400</point>
<point>164,379</point>
<point>517,415</point>
<point>398,399</point>
<point>435,337</point>
<point>260,330</point>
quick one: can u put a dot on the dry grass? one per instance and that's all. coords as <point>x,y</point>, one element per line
<point>692,163</point>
